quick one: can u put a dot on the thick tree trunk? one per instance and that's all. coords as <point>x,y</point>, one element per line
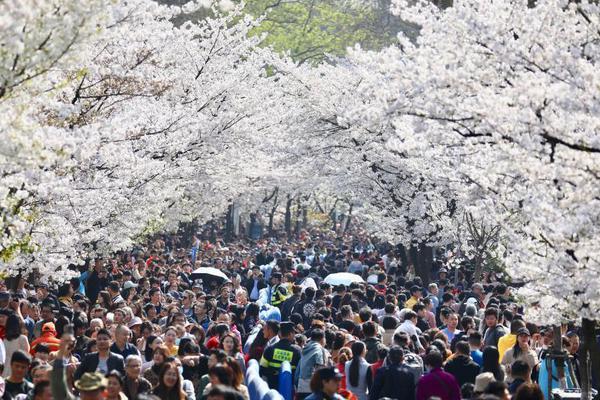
<point>422,258</point>
<point>298,217</point>
<point>589,357</point>
<point>288,216</point>
<point>229,224</point>
<point>348,219</point>
<point>304,216</point>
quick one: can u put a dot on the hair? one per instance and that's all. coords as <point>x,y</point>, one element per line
<point>520,368</point>
<point>148,352</point>
<point>14,327</point>
<point>317,335</point>
<point>162,391</point>
<point>104,332</point>
<point>163,350</point>
<point>528,391</point>
<point>223,373</point>
<point>238,374</point>
<point>491,363</point>
<point>358,348</point>
<point>434,359</point>
<point>410,315</point>
<point>222,391</point>
<point>492,311</point>
<point>369,329</point>
<point>132,357</point>
<point>497,388</point>
<point>117,375</point>
<point>475,339</point>
<point>465,322</point>
<point>19,356</point>
<point>236,342</point>
<point>462,347</point>
<point>273,325</point>
<point>39,388</point>
<point>316,382</point>
<point>389,322</point>
<point>467,391</point>
<point>516,325</point>
<point>395,355</point>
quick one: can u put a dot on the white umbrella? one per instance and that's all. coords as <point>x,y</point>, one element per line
<point>372,279</point>
<point>208,272</point>
<point>343,278</point>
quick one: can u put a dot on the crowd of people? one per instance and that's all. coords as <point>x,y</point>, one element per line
<point>143,325</point>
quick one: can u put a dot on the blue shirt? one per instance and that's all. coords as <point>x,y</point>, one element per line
<point>477,356</point>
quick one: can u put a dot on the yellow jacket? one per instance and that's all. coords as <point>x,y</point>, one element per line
<point>506,342</point>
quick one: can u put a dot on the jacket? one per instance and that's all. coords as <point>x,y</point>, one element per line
<point>493,335</point>
<point>463,368</point>
<point>49,339</point>
<point>438,383</point>
<point>393,381</point>
<point>371,344</point>
<point>272,358</point>
<point>313,355</point>
<point>90,364</point>
<point>58,382</point>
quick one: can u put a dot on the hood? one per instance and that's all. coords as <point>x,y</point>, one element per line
<point>48,328</point>
<point>310,349</point>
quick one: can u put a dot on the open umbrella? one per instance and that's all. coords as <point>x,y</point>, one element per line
<point>207,273</point>
<point>343,278</point>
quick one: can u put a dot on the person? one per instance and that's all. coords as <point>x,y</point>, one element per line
<point>506,342</point>
<point>170,338</point>
<point>42,391</point>
<point>313,355</point>
<point>48,338</point>
<point>103,360</point>
<point>409,327</point>
<point>255,283</point>
<point>491,364</point>
<point>133,383</point>
<point>358,372</point>
<point>415,296</point>
<point>275,354</point>
<point>277,292</point>
<point>223,374</point>
<point>464,369</point>
<point>325,384</point>
<point>114,386</point>
<point>121,346</point>
<point>475,346</point>
<point>231,345</point>
<point>16,383</point>
<point>451,327</point>
<point>528,391</point>
<point>437,383</point>
<point>498,389</point>
<point>494,330</point>
<point>393,380</point>
<point>520,373</point>
<point>169,383</point>
<point>14,341</point>
<point>91,385</point>
<point>520,351</point>
<point>481,382</point>
<point>152,370</point>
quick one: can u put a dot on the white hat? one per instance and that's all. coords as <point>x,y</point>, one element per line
<point>482,380</point>
<point>129,285</point>
<point>472,301</point>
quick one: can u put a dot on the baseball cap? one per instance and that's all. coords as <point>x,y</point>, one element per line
<point>523,331</point>
<point>129,285</point>
<point>328,373</point>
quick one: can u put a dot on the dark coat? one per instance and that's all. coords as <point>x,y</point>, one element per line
<point>463,368</point>
<point>90,364</point>
<point>393,381</point>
